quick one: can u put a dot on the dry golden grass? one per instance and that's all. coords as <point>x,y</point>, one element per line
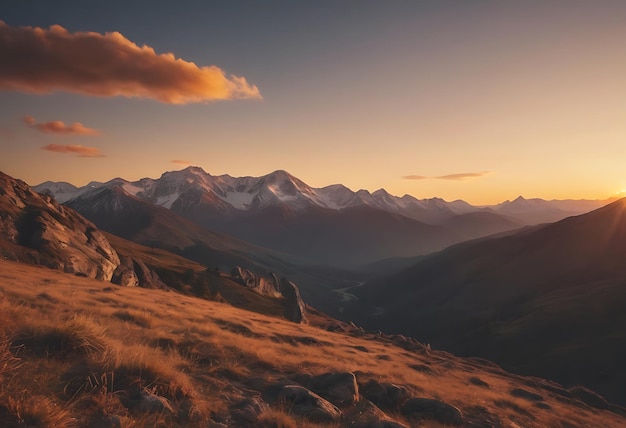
<point>77,352</point>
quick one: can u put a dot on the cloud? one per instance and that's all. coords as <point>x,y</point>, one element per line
<point>181,162</point>
<point>453,177</point>
<point>80,151</point>
<point>60,128</point>
<point>41,61</point>
<point>462,176</point>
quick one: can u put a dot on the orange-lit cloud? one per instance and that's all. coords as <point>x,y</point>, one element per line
<point>462,176</point>
<point>80,151</point>
<point>454,177</point>
<point>39,60</point>
<point>181,162</point>
<point>58,127</point>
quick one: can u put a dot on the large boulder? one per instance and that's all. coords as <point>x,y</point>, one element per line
<point>308,404</point>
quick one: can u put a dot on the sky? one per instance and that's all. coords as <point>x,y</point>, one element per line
<point>475,100</point>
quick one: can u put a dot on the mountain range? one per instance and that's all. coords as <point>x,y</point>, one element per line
<point>332,225</point>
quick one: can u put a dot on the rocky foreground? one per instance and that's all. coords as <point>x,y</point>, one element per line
<point>81,352</point>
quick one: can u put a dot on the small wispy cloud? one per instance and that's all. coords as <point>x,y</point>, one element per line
<point>462,176</point>
<point>78,150</point>
<point>180,162</point>
<point>452,177</point>
<point>60,128</point>
<point>39,60</point>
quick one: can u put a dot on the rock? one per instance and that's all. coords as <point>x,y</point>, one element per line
<point>308,404</point>
<point>429,408</point>
<point>38,230</point>
<point>339,388</point>
<point>387,396</point>
<point>151,403</point>
<point>133,272</point>
<point>260,284</point>
<point>248,410</point>
<point>125,275</point>
<point>589,397</point>
<point>294,305</point>
<point>147,277</point>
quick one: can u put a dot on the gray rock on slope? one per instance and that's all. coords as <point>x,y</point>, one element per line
<point>38,230</point>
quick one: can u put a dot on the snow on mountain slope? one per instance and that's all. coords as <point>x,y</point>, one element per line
<point>193,189</point>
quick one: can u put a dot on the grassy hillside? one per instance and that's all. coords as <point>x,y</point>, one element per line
<point>80,352</point>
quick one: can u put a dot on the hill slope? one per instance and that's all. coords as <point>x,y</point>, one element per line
<point>112,356</point>
<point>547,301</point>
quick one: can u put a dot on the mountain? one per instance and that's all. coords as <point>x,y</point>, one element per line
<point>331,225</point>
<point>547,301</point>
<point>537,211</point>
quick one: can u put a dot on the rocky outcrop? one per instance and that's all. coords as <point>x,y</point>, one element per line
<point>133,272</point>
<point>36,229</point>
<point>308,404</point>
<point>267,286</point>
<point>295,309</point>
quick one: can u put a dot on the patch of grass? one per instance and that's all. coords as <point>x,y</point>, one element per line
<point>79,336</point>
<point>136,317</point>
<point>275,418</point>
<point>34,411</point>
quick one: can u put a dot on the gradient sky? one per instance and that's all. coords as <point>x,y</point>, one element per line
<point>474,100</point>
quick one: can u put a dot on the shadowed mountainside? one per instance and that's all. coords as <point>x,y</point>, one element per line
<point>547,301</point>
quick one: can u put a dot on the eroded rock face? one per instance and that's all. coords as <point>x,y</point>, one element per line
<point>38,230</point>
